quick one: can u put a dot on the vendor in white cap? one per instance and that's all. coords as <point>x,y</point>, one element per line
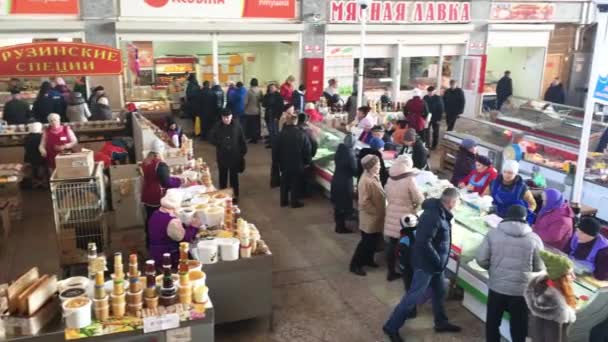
<point>166,231</point>
<point>156,179</point>
<point>56,138</point>
<point>510,189</point>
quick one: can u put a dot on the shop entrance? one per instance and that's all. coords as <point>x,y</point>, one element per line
<point>470,78</point>
<point>526,65</point>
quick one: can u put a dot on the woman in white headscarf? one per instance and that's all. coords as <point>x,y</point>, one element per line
<point>56,138</point>
<point>510,189</point>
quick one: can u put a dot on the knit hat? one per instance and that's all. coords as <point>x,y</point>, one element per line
<point>510,165</point>
<point>589,225</point>
<point>369,161</point>
<point>468,143</point>
<point>410,135</point>
<point>171,201</point>
<point>157,147</point>
<point>408,221</point>
<point>483,160</point>
<point>35,127</point>
<point>516,213</point>
<point>557,265</point>
<point>376,143</point>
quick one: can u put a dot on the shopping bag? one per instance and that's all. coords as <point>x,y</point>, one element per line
<point>197,126</point>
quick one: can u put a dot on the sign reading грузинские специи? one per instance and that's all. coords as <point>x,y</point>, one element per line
<point>402,12</point>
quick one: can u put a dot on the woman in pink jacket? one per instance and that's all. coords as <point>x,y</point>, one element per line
<point>554,223</point>
<point>403,198</point>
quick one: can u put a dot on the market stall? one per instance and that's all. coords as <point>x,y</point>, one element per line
<point>471,223</point>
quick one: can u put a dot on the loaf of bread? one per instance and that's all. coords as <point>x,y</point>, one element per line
<point>23,296</point>
<point>41,294</point>
<point>20,285</point>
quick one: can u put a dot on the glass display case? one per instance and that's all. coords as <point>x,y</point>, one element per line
<point>323,161</point>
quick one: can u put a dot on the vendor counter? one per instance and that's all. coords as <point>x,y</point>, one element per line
<point>471,224</point>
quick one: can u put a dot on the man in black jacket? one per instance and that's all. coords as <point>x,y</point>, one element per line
<point>229,140</point>
<point>292,152</point>
<point>16,111</point>
<point>454,102</point>
<point>430,257</point>
<point>217,104</point>
<point>504,89</point>
<point>435,105</point>
<point>414,147</point>
<point>273,108</point>
<point>208,104</point>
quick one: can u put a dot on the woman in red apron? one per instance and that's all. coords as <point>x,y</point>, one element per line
<point>56,138</point>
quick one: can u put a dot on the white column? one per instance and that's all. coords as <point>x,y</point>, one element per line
<point>599,62</point>
<point>440,69</point>
<point>396,73</point>
<point>361,58</point>
<point>215,53</point>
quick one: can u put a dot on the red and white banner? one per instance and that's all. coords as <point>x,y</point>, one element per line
<point>209,9</point>
<point>523,11</point>
<point>402,12</point>
<point>49,7</point>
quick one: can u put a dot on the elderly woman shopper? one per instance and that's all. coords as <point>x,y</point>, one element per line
<point>77,110</point>
<point>342,188</point>
<point>551,300</point>
<point>166,230</point>
<point>509,189</point>
<point>480,178</point>
<point>465,160</point>
<point>101,111</point>
<point>510,253</point>
<point>404,198</point>
<point>371,215</point>
<point>589,248</point>
<point>555,221</point>
<point>156,179</point>
<point>56,138</point>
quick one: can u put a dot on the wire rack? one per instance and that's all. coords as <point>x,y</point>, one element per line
<point>79,206</point>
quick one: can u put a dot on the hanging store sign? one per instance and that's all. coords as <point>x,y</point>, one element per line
<point>524,11</point>
<point>52,7</point>
<point>59,59</point>
<point>402,12</point>
<point>209,9</point>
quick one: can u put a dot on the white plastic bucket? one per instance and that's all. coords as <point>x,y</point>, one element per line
<point>77,317</point>
<point>186,215</point>
<point>229,249</point>
<point>213,216</point>
<point>208,251</point>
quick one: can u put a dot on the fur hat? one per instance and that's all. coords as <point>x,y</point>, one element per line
<point>557,265</point>
<point>171,200</point>
<point>369,161</point>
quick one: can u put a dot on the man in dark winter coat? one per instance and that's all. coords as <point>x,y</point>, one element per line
<point>434,103</point>
<point>429,260</point>
<point>298,99</point>
<point>229,140</point>
<point>16,111</point>
<point>273,106</point>
<point>454,101</point>
<point>465,160</point>
<point>342,188</point>
<point>555,93</point>
<point>218,101</point>
<point>207,109</point>
<point>292,152</point>
<point>504,89</point>
<point>414,147</point>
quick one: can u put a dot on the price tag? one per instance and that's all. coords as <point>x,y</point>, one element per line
<point>160,323</point>
<point>179,335</point>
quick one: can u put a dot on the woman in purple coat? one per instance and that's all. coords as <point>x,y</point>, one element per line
<point>166,231</point>
<point>554,223</point>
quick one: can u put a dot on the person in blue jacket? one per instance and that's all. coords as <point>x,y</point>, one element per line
<point>236,100</point>
<point>510,189</point>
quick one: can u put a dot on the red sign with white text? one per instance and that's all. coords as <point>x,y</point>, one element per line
<point>59,59</point>
<point>285,9</point>
<point>313,75</point>
<point>402,12</point>
<point>58,7</point>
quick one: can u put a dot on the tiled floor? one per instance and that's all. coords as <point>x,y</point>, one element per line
<point>315,298</point>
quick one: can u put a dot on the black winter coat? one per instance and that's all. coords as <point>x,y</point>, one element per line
<point>433,237</point>
<point>273,103</point>
<point>504,89</point>
<point>218,97</point>
<point>453,100</point>
<point>383,170</point>
<point>16,112</point>
<point>342,188</point>
<point>208,103</point>
<point>435,105</point>
<point>419,154</point>
<point>44,106</point>
<point>464,164</point>
<point>230,144</point>
<point>556,94</point>
<point>32,153</point>
<point>292,150</point>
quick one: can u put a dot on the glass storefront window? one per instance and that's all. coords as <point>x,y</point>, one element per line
<point>421,72</point>
<point>378,74</point>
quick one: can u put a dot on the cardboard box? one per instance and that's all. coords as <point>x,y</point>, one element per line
<point>74,165</point>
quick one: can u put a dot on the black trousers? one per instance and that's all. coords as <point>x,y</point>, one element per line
<point>252,127</point>
<point>340,218</point>
<point>234,179</point>
<point>434,126</point>
<point>364,254</point>
<point>391,254</point>
<point>425,136</point>
<point>517,308</point>
<point>290,187</point>
<point>599,333</point>
<point>149,211</point>
<point>451,121</point>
